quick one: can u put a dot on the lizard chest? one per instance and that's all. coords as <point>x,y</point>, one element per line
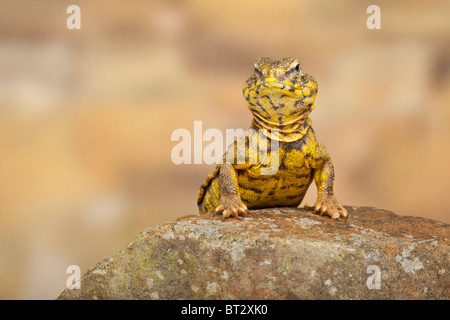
<point>285,186</point>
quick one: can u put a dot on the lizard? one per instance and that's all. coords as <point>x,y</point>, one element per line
<point>280,96</point>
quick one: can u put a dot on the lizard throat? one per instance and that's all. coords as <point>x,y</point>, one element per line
<point>287,132</point>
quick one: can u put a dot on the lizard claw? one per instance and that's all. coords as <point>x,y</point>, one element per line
<point>231,205</point>
<point>219,209</point>
<point>317,207</point>
<point>327,204</point>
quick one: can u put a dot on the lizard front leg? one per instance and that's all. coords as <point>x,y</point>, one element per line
<point>230,201</point>
<point>326,200</point>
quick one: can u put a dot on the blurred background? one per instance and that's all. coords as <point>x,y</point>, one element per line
<point>86,116</point>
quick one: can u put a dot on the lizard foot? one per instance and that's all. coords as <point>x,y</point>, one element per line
<point>231,205</point>
<point>328,204</point>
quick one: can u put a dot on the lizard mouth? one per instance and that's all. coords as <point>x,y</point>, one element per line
<point>306,88</point>
<point>279,88</point>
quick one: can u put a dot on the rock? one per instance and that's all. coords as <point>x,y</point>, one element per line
<point>281,253</point>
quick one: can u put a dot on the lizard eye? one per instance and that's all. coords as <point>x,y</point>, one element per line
<point>256,67</point>
<point>297,67</point>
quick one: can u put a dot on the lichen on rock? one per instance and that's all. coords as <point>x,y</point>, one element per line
<point>280,253</point>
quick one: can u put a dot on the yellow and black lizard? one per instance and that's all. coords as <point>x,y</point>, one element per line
<point>280,96</point>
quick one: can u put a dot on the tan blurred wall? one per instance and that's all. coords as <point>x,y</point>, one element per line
<point>86,115</point>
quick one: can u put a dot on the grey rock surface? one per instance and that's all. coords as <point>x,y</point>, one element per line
<point>281,253</point>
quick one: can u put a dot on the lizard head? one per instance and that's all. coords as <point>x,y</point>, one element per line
<point>279,93</point>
